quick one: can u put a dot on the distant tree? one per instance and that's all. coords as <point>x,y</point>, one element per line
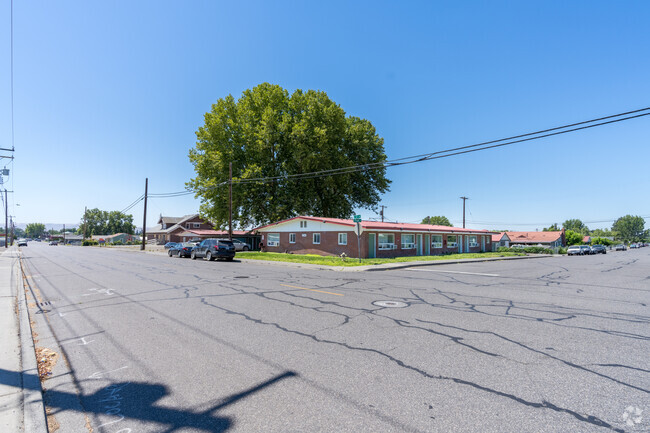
<point>629,228</point>
<point>53,232</point>
<point>601,241</point>
<point>573,238</point>
<point>34,230</point>
<point>552,228</point>
<point>271,134</point>
<point>437,221</point>
<point>602,233</point>
<point>101,222</point>
<point>577,226</point>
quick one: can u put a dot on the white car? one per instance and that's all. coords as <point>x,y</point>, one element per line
<point>241,246</point>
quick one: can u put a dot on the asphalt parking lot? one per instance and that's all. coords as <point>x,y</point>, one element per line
<point>152,343</point>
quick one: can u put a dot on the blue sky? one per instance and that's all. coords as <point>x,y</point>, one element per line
<point>108,93</point>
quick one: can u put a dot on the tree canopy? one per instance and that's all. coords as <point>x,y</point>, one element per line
<point>34,230</point>
<point>100,222</point>
<point>573,238</point>
<point>270,135</point>
<point>552,228</point>
<point>630,228</point>
<point>437,221</point>
<point>576,225</point>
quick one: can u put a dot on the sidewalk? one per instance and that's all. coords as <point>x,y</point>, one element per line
<point>21,399</point>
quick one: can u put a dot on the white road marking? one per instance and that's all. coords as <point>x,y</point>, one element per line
<point>454,272</point>
<point>99,374</point>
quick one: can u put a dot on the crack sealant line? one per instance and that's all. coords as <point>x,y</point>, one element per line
<point>34,417</point>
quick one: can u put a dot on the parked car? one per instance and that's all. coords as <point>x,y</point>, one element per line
<point>621,247</point>
<point>598,249</point>
<point>575,250</point>
<point>633,246</point>
<point>211,249</point>
<point>168,245</point>
<point>182,249</point>
<point>22,242</point>
<point>55,243</point>
<point>586,249</point>
<point>240,245</point>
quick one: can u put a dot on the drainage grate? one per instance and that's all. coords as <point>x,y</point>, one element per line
<point>43,304</point>
<point>390,304</point>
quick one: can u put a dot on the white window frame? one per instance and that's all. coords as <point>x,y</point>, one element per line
<point>435,244</point>
<point>271,240</point>
<point>472,243</point>
<point>453,244</point>
<point>386,245</point>
<point>196,225</point>
<point>292,238</point>
<point>343,238</point>
<point>408,245</point>
<point>313,238</point>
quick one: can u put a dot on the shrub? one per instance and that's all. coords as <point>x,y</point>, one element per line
<point>89,242</point>
<point>118,243</point>
<point>561,250</point>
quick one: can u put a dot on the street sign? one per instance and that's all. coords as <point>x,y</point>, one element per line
<point>357,218</point>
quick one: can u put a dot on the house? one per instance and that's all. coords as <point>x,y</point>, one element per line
<point>333,236</point>
<point>553,239</point>
<point>500,240</point>
<point>193,227</point>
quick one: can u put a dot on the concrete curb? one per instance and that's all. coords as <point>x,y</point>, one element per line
<point>35,420</point>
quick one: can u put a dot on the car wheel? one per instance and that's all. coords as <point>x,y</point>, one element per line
<point>245,248</point>
<point>230,259</point>
<point>208,256</point>
<point>193,255</point>
<point>169,253</point>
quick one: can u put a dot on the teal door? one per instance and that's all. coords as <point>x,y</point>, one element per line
<point>371,246</point>
<point>418,245</point>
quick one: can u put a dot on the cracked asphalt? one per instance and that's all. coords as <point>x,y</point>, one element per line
<point>150,343</point>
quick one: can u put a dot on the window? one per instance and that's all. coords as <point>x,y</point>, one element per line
<point>188,225</point>
<point>196,225</point>
<point>292,238</point>
<point>303,224</point>
<point>343,238</point>
<point>408,242</point>
<point>436,241</point>
<point>472,241</point>
<point>386,241</point>
<point>273,240</point>
<point>316,238</point>
<point>452,241</point>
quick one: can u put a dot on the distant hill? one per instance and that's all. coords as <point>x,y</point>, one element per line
<point>49,226</point>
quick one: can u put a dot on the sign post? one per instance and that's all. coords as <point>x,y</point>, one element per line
<point>358,230</point>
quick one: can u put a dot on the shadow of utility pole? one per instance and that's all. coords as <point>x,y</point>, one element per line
<point>111,403</point>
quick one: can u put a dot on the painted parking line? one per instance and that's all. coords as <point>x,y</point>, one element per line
<point>454,272</point>
<point>312,290</point>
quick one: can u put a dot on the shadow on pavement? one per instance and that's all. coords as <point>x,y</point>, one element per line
<point>137,401</point>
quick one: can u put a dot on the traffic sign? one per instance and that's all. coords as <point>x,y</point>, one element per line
<point>357,218</point>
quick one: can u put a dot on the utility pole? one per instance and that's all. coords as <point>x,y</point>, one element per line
<point>464,198</point>
<point>230,201</point>
<point>382,212</point>
<point>6,222</point>
<point>144,218</point>
<point>63,234</point>
<point>85,212</point>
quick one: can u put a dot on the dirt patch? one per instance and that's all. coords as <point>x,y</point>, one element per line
<point>46,360</point>
<point>52,424</point>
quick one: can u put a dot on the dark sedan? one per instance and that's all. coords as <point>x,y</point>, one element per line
<point>211,249</point>
<point>181,250</point>
<point>598,249</point>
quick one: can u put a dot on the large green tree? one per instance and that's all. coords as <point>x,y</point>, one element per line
<point>437,221</point>
<point>630,228</point>
<point>275,137</point>
<point>576,225</point>
<point>573,238</point>
<point>552,228</point>
<point>34,230</point>
<point>101,222</point>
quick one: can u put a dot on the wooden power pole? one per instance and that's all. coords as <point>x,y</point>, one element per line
<point>144,218</point>
<point>464,198</point>
<point>230,202</point>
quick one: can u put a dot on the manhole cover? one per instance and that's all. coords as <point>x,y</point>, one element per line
<point>390,304</point>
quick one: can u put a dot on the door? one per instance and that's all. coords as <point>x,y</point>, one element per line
<point>427,243</point>
<point>371,245</point>
<point>418,245</point>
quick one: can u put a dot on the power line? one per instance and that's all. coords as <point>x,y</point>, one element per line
<point>427,156</point>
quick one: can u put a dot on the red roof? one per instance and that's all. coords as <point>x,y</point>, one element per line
<point>210,232</point>
<point>534,237</point>
<point>376,225</point>
<point>497,238</point>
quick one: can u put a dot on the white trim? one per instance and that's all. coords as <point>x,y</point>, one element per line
<point>313,238</point>
<point>271,243</point>
<point>294,238</point>
<point>346,239</point>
